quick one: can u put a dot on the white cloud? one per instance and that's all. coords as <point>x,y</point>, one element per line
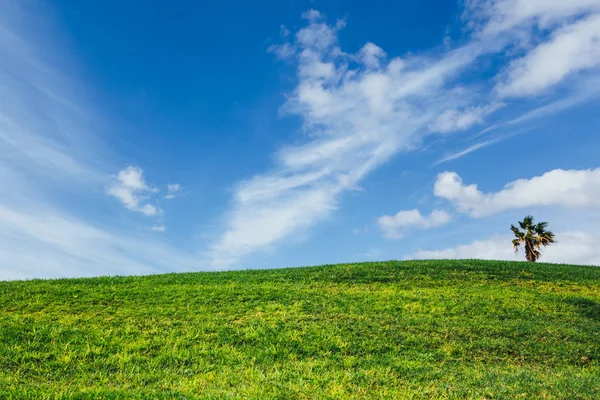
<point>282,51</point>
<point>481,145</point>
<point>370,55</point>
<point>311,66</point>
<point>453,120</point>
<point>312,15</point>
<point>132,177</point>
<point>570,188</point>
<point>571,49</point>
<point>500,16</point>
<point>131,189</point>
<point>460,120</point>
<point>258,223</point>
<point>466,151</point>
<point>317,35</point>
<point>157,228</point>
<point>283,31</point>
<point>572,248</point>
<point>495,248</point>
<point>394,226</point>
<point>173,190</point>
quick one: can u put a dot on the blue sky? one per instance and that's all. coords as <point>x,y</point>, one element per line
<point>152,137</point>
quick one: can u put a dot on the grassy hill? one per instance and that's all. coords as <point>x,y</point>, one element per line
<point>417,329</point>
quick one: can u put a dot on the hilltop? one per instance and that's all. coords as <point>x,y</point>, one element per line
<point>411,329</point>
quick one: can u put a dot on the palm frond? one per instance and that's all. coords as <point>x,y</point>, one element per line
<point>546,238</point>
<point>527,222</point>
<point>516,244</point>
<point>541,225</point>
<point>517,232</point>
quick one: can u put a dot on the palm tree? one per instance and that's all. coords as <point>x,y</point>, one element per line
<point>533,235</point>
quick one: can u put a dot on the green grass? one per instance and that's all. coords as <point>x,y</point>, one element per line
<point>417,329</point>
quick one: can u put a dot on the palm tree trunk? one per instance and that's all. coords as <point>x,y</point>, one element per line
<point>529,253</point>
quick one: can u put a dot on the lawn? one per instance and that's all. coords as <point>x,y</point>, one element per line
<point>411,329</point>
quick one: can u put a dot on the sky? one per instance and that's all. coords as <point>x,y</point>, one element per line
<point>149,137</point>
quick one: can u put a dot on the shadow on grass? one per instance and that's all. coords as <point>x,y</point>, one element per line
<point>585,307</point>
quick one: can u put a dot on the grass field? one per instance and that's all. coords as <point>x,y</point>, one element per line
<point>416,329</point>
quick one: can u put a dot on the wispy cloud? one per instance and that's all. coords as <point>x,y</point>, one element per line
<point>584,90</point>
<point>494,17</point>
<point>50,160</point>
<point>46,243</point>
<point>395,226</point>
<point>173,190</point>
<point>466,151</point>
<point>459,120</point>
<point>359,110</point>
<point>479,146</point>
<point>353,117</point>
<point>571,49</point>
<point>282,51</point>
<point>37,97</point>
<point>157,228</point>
